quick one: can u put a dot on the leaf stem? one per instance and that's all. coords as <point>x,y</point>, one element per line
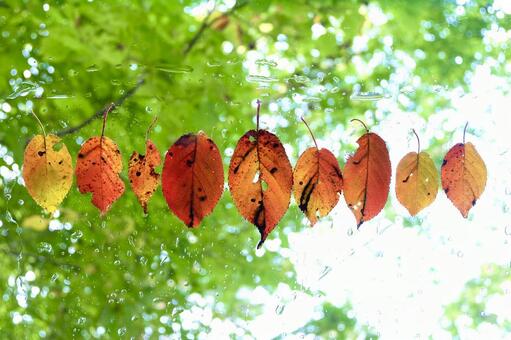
<point>155,119</point>
<point>310,131</point>
<point>257,114</point>
<point>105,115</point>
<point>361,122</point>
<point>41,126</point>
<point>464,132</point>
<point>418,142</point>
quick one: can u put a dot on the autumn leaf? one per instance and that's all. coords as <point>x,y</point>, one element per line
<point>193,177</point>
<point>47,171</point>
<point>143,179</point>
<point>367,177</point>
<point>260,179</point>
<point>416,181</point>
<point>463,176</point>
<point>97,170</point>
<point>317,182</point>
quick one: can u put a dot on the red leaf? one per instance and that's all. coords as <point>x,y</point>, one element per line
<point>193,178</point>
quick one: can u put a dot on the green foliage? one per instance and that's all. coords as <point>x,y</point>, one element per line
<point>126,271</point>
<point>493,283</point>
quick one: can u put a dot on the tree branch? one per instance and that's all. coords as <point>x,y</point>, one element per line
<point>99,113</point>
<point>129,93</point>
<point>206,24</point>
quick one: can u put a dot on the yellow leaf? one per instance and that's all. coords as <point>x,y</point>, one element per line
<point>416,181</point>
<point>47,171</point>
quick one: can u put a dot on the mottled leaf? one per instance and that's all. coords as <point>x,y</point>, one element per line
<point>143,179</point>
<point>463,176</point>
<point>416,181</point>
<point>97,171</point>
<point>260,180</point>
<point>317,182</point>
<point>47,171</point>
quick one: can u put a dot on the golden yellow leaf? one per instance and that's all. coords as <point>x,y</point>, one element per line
<point>416,181</point>
<point>47,171</point>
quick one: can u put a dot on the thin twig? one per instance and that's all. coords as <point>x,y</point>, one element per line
<point>99,113</point>
<point>133,90</point>
<point>206,24</point>
<point>196,37</point>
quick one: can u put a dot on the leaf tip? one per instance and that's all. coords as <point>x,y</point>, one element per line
<point>260,244</point>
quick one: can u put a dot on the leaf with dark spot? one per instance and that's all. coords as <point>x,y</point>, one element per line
<point>143,178</point>
<point>259,152</point>
<point>193,178</point>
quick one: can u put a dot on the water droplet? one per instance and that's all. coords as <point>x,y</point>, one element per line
<point>45,247</point>
<point>300,79</point>
<point>60,96</point>
<point>174,68</point>
<point>121,331</point>
<point>76,235</point>
<point>507,230</point>
<point>266,62</point>
<point>367,96</point>
<point>92,68</point>
<point>253,78</point>
<point>350,231</point>
<point>311,99</point>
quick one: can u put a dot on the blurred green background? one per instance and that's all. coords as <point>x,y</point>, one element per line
<point>201,66</point>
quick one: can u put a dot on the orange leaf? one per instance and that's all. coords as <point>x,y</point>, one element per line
<point>416,181</point>
<point>260,180</point>
<point>193,177</point>
<point>97,171</point>
<point>367,178</point>
<point>463,176</point>
<point>317,183</point>
<point>143,179</point>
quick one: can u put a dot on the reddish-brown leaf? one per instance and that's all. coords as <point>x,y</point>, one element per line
<point>367,178</point>
<point>317,183</point>
<point>97,171</point>
<point>143,179</point>
<point>463,176</point>
<point>193,177</point>
<point>260,180</point>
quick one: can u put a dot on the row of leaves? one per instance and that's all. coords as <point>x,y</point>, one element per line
<point>260,177</point>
